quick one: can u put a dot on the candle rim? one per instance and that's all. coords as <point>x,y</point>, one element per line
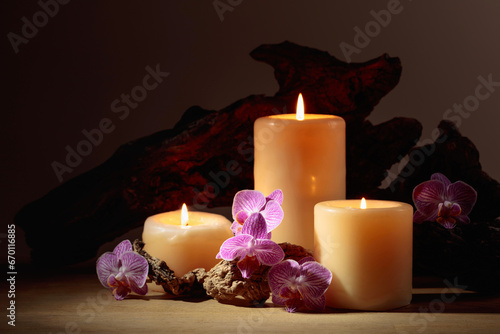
<point>353,204</point>
<point>172,218</point>
<point>307,117</point>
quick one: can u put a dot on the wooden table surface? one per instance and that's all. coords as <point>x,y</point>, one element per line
<point>73,301</point>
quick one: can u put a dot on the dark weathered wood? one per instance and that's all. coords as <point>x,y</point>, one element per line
<point>456,157</point>
<point>469,253</point>
<point>160,172</point>
<point>223,282</point>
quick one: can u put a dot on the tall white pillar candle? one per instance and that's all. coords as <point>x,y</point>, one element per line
<point>305,158</point>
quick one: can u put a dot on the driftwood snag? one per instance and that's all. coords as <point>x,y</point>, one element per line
<point>468,254</point>
<point>159,172</point>
<point>223,282</point>
<point>160,273</point>
<point>456,157</point>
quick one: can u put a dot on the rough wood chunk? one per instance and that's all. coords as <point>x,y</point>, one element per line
<point>223,282</point>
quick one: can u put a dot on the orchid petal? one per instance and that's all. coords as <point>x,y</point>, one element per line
<point>317,279</point>
<point>283,274</point>
<point>463,219</point>
<point>278,300</point>
<point>427,197</point>
<point>306,259</point>
<point>273,213</point>
<point>139,290</point>
<point>288,293</point>
<point>112,281</point>
<point>455,209</point>
<point>236,228</point>
<point>462,194</point>
<point>235,247</point>
<point>440,177</point>
<point>315,303</point>
<point>241,217</point>
<point>419,217</point>
<point>255,226</point>
<point>121,292</point>
<point>293,304</point>
<point>277,196</point>
<point>122,247</point>
<point>107,265</point>
<point>249,201</point>
<point>135,268</point>
<point>447,222</point>
<point>248,265</point>
<point>268,252</point>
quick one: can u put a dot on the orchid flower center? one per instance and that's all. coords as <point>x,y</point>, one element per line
<point>295,283</point>
<point>449,209</point>
<point>251,248</point>
<point>120,275</point>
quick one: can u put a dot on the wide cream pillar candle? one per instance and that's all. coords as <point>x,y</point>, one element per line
<point>369,252</point>
<point>305,158</point>
<point>187,246</point>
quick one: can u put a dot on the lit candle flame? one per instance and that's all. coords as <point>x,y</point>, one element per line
<point>363,203</point>
<point>300,108</point>
<point>184,215</point>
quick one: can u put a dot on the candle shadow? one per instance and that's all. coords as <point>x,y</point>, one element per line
<point>441,303</point>
<point>241,302</point>
<point>156,295</point>
<point>453,303</point>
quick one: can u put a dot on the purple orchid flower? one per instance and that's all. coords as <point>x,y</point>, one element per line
<point>123,271</point>
<point>296,284</point>
<point>442,201</point>
<point>247,202</point>
<point>252,247</point>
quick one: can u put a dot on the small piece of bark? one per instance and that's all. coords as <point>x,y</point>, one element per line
<point>224,281</point>
<point>160,273</point>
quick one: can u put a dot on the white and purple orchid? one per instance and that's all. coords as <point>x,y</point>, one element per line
<point>252,246</point>
<point>247,202</point>
<point>123,271</point>
<point>440,200</point>
<point>296,284</point>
